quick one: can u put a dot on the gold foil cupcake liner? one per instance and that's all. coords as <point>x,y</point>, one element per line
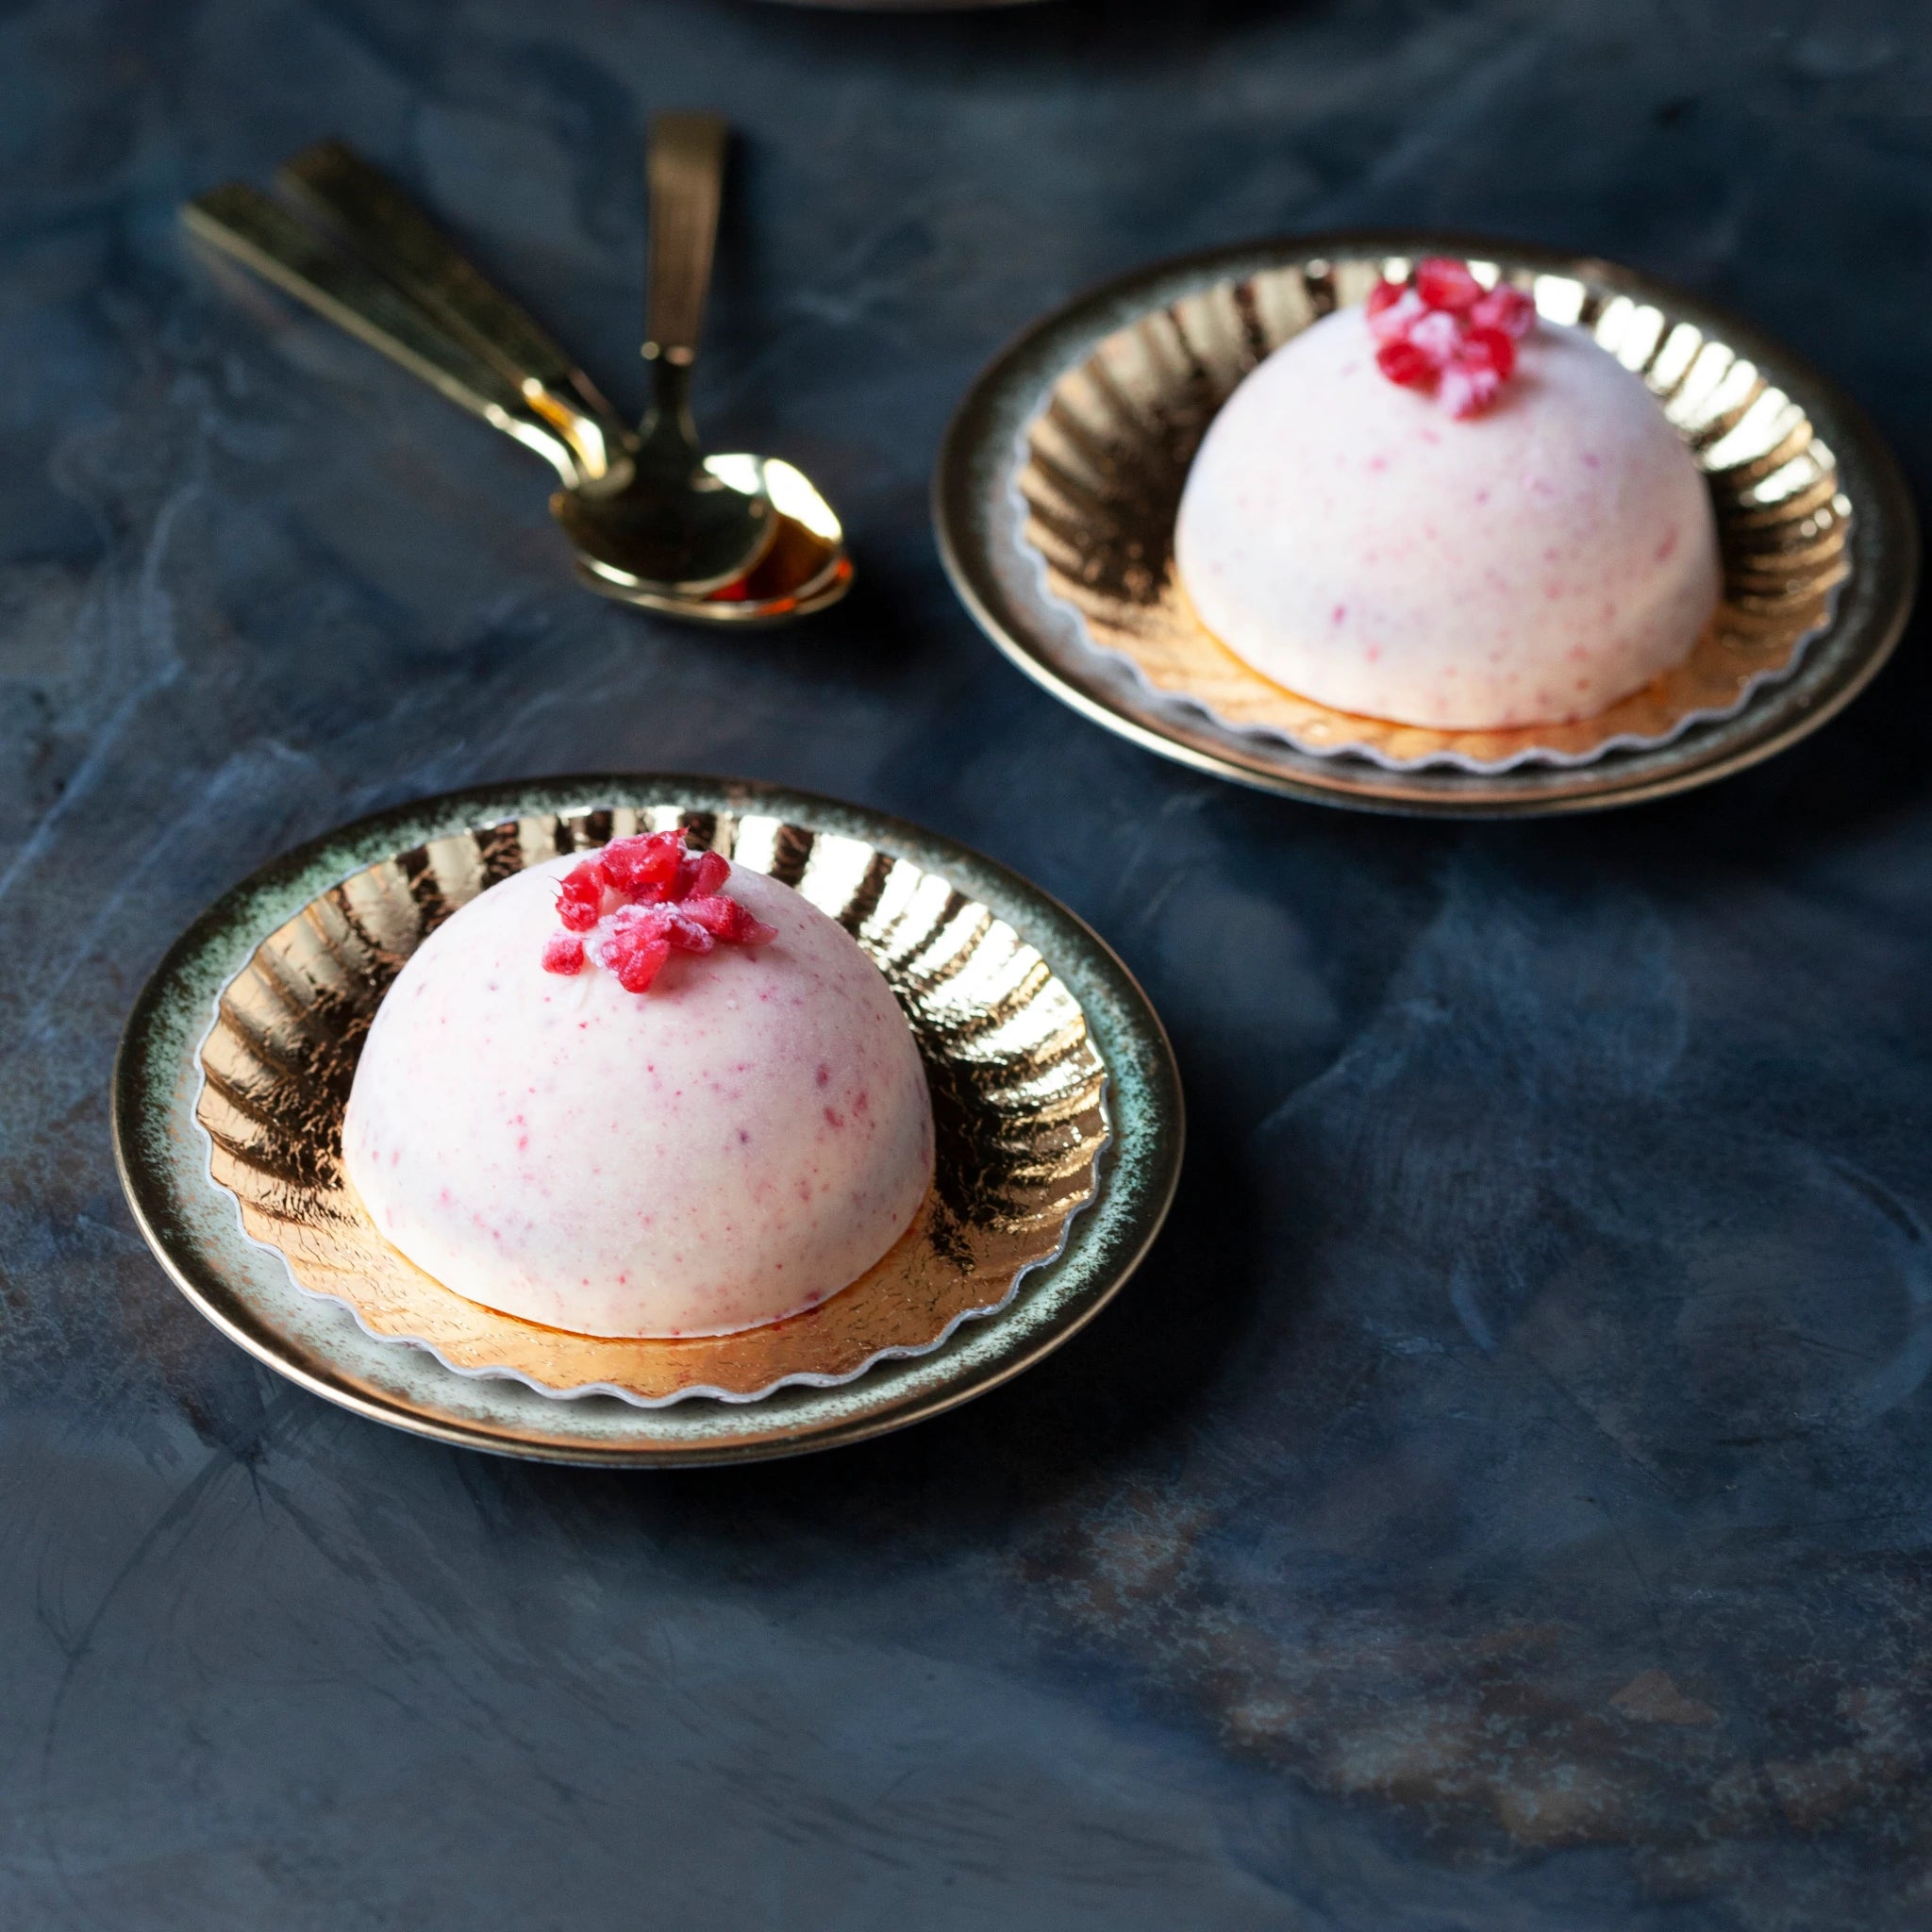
<point>1098,478</point>
<point>1018,1089</point>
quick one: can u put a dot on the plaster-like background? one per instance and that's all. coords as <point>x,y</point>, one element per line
<point>1502,1502</point>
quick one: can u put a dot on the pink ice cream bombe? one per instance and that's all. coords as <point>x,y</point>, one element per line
<point>1352,540</point>
<point>730,1147</point>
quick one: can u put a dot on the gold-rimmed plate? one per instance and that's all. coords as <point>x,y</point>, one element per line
<point>1127,377</point>
<point>186,1198</point>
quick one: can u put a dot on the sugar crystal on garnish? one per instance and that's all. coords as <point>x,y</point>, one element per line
<point>564,952</point>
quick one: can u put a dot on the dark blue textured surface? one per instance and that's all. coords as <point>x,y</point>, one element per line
<point>1501,1503</point>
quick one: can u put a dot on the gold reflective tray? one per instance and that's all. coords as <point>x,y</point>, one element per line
<point>236,1067</point>
<point>1084,430</point>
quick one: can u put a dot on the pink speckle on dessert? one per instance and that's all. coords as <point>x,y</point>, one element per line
<point>1561,522</point>
<point>545,1141</point>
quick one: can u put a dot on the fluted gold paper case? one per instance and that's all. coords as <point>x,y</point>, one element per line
<point>1018,1089</point>
<point>1108,456</point>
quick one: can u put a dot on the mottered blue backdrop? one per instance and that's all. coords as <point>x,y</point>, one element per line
<point>1501,1504</point>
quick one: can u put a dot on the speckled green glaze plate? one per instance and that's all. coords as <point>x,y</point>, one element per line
<point>1056,491</point>
<point>245,1287</point>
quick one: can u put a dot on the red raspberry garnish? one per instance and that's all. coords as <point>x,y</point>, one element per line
<point>643,868</point>
<point>1445,334</point>
<point>1439,336</point>
<point>564,952</point>
<point>580,898</point>
<point>1444,283</point>
<point>725,919</point>
<point>636,949</point>
<point>670,900</point>
<point>1394,308</point>
<point>1404,363</point>
<point>1468,392</point>
<point>700,872</point>
<point>1506,309</point>
<point>1489,349</point>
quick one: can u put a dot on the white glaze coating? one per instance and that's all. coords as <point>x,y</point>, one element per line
<point>732,1146</point>
<point>1350,540</point>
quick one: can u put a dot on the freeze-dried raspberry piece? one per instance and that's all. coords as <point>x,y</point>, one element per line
<point>1489,349</point>
<point>1475,378</point>
<point>729,921</point>
<point>1468,392</point>
<point>1506,309</point>
<point>1403,362</point>
<point>1393,310</point>
<point>580,898</point>
<point>564,952</point>
<point>1445,334</point>
<point>687,935</point>
<point>644,867</point>
<point>1439,336</point>
<point>635,948</point>
<point>669,900</point>
<point>1446,283</point>
<point>700,872</point>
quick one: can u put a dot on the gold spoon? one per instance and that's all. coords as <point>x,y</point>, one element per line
<point>807,567</point>
<point>674,525</point>
<point>407,291</point>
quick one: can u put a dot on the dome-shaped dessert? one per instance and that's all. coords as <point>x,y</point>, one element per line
<point>1400,526</point>
<point>739,1139</point>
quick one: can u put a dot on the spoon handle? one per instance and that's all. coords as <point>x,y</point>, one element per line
<point>249,228</point>
<point>377,219</point>
<point>687,176</point>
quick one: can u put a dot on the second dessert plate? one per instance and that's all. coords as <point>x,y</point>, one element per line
<point>1055,1094</point>
<point>1058,485</point>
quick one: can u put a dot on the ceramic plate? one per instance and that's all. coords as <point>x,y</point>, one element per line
<point>226,1093</point>
<point>1057,483</point>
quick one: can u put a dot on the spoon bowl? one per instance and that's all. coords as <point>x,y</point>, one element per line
<point>804,566</point>
<point>681,532</point>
